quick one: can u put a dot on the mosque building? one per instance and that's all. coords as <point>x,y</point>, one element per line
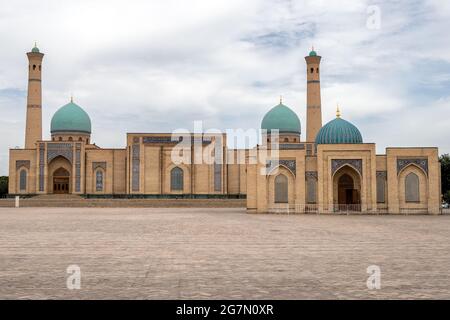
<point>330,170</point>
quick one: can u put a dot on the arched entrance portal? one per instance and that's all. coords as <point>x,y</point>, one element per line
<point>61,179</point>
<point>347,190</point>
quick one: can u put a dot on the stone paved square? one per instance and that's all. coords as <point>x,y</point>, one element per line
<point>206,253</point>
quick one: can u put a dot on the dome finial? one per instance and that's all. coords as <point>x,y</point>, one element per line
<point>338,112</point>
<point>35,48</point>
<point>71,97</point>
<point>281,99</point>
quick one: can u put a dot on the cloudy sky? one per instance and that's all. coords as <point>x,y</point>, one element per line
<point>154,66</point>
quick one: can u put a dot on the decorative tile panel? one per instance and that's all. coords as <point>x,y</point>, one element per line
<point>60,149</point>
<point>292,146</point>
<point>403,163</point>
<point>135,167</point>
<point>168,139</point>
<point>336,164</point>
<point>311,188</point>
<point>23,163</point>
<point>381,186</point>
<point>78,167</point>
<point>218,161</point>
<point>163,139</point>
<point>41,166</point>
<point>382,174</point>
<point>310,174</point>
<point>290,164</point>
<point>101,164</point>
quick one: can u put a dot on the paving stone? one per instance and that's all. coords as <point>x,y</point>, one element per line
<point>212,253</point>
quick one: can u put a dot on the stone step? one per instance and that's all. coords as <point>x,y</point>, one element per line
<point>46,197</point>
<point>40,201</point>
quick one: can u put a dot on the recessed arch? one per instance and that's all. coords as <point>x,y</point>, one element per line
<point>281,189</point>
<point>176,179</point>
<point>350,167</point>
<point>274,180</point>
<point>274,170</point>
<point>413,189</point>
<point>408,167</point>
<point>59,175</point>
<point>347,188</point>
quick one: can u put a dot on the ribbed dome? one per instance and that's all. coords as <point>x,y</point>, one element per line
<point>282,118</point>
<point>338,131</point>
<point>70,118</point>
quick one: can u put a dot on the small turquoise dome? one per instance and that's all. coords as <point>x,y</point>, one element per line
<point>70,118</point>
<point>35,48</point>
<point>282,118</point>
<point>338,131</point>
<point>312,53</point>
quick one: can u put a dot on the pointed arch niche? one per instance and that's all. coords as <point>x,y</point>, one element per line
<point>281,188</point>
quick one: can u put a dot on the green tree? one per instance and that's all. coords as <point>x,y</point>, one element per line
<point>445,176</point>
<point>3,185</point>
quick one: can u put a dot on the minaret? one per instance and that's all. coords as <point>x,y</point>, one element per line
<point>313,104</point>
<point>33,126</point>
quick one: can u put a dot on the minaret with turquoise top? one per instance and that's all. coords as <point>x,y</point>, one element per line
<point>313,101</point>
<point>33,126</point>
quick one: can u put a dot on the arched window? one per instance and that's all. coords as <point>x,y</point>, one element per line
<point>281,189</point>
<point>286,140</point>
<point>99,180</point>
<point>317,70</point>
<point>60,138</point>
<point>412,193</point>
<point>176,179</point>
<point>70,139</point>
<point>34,67</point>
<point>39,68</point>
<point>80,139</point>
<point>312,70</point>
<point>23,180</point>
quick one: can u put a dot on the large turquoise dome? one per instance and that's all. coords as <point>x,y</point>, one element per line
<point>282,118</point>
<point>338,131</point>
<point>70,118</point>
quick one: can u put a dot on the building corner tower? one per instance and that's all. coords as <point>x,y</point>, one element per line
<point>313,102</point>
<point>33,126</point>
